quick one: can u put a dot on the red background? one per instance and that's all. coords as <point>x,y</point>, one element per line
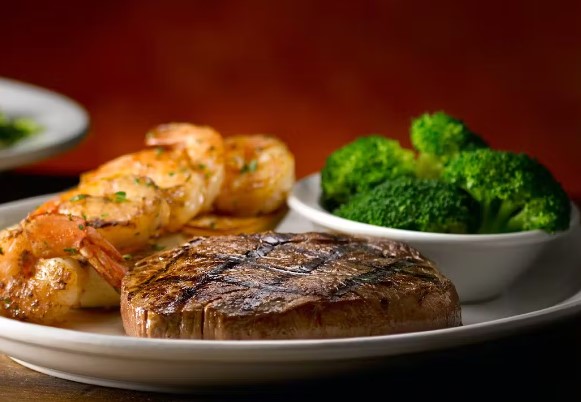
<point>315,73</point>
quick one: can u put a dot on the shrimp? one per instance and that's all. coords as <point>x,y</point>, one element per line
<point>46,268</point>
<point>205,149</point>
<point>260,172</point>
<point>126,210</point>
<point>186,164</point>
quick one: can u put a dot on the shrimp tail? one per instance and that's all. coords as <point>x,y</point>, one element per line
<point>104,258</point>
<point>71,236</point>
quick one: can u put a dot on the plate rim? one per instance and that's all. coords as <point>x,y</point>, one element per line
<point>87,343</point>
<point>16,157</point>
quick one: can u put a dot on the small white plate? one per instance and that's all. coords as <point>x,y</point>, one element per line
<point>64,122</point>
<point>94,349</point>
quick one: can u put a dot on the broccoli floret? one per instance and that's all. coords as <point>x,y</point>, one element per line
<point>16,129</point>
<point>550,213</point>
<point>361,165</point>
<point>414,204</point>
<point>515,191</point>
<point>438,137</point>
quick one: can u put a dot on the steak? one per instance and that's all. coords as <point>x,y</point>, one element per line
<point>286,286</point>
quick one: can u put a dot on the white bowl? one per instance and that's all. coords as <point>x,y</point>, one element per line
<point>480,266</point>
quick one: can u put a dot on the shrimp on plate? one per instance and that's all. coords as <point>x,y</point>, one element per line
<point>185,161</point>
<point>127,210</point>
<point>259,174</point>
<point>46,268</point>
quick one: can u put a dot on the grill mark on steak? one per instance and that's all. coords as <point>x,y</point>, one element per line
<point>178,252</point>
<point>377,273</point>
<point>265,247</point>
<point>211,276</point>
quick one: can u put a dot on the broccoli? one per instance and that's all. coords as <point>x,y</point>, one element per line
<point>438,137</point>
<point>426,205</point>
<point>361,165</point>
<point>515,191</point>
<point>16,129</point>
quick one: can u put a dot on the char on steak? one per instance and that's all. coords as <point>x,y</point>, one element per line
<point>286,286</point>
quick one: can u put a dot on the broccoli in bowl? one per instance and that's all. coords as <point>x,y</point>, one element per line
<point>425,205</point>
<point>515,192</point>
<point>438,138</point>
<point>453,183</point>
<point>361,165</point>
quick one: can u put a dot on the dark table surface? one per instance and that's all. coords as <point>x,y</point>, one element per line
<point>539,364</point>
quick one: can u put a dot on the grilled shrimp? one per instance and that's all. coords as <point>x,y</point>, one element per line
<point>126,210</point>
<point>260,171</point>
<point>204,147</point>
<point>41,280</point>
<point>186,164</point>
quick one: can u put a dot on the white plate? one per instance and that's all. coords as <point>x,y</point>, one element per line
<point>94,350</point>
<point>64,122</point>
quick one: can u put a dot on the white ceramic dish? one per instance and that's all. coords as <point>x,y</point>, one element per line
<point>94,350</point>
<point>481,266</point>
<point>64,122</point>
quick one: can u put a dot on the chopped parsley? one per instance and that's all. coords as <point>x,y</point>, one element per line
<point>127,257</point>
<point>120,196</point>
<point>71,250</point>
<point>81,227</point>
<point>157,247</point>
<point>7,303</point>
<point>78,197</point>
<point>13,130</point>
<point>249,167</point>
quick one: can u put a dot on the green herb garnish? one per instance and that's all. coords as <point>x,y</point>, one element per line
<point>71,250</point>
<point>16,129</point>
<point>120,196</point>
<point>78,197</point>
<point>249,167</point>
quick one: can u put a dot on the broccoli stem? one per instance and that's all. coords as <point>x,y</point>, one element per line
<point>429,166</point>
<point>496,215</point>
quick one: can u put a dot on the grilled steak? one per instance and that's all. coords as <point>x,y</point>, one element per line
<point>286,286</point>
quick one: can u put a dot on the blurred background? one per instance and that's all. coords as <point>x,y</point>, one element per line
<point>315,73</point>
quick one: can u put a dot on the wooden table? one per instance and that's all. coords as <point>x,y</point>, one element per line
<point>528,364</point>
